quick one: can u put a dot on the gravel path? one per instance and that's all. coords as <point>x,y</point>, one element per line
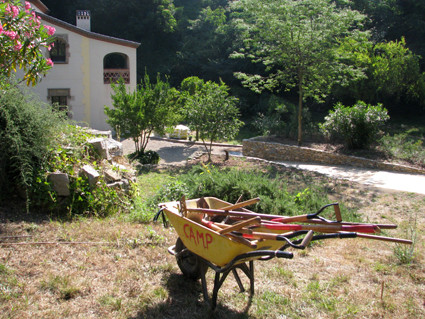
<point>177,152</point>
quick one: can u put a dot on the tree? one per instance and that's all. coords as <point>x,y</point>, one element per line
<point>393,74</point>
<point>210,110</point>
<point>296,41</point>
<point>23,40</point>
<point>151,107</point>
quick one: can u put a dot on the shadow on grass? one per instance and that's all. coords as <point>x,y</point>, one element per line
<point>185,300</point>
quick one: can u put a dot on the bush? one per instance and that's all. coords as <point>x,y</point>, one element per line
<point>281,119</point>
<point>145,157</point>
<point>357,126</point>
<point>145,209</point>
<point>405,147</point>
<point>27,131</point>
<point>229,184</point>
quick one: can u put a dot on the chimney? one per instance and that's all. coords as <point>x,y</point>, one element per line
<point>83,19</point>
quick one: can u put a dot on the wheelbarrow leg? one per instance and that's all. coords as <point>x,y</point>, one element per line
<point>249,272</point>
<point>204,268</point>
<point>218,282</point>
<point>238,280</point>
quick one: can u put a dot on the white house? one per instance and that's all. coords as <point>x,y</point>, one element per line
<point>85,63</point>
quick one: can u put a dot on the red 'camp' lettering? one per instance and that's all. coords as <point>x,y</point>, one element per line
<point>201,238</point>
<point>209,239</point>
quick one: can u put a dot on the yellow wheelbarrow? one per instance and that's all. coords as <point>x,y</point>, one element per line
<point>202,244</point>
<point>225,237</point>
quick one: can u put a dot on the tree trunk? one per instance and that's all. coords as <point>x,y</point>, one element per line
<point>300,113</point>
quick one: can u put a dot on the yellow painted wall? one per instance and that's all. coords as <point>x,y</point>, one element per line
<point>85,69</point>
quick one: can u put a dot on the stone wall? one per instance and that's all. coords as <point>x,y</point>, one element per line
<point>271,151</point>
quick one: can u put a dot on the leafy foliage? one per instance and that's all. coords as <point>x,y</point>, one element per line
<point>70,154</point>
<point>392,73</point>
<point>146,157</point>
<point>230,184</point>
<point>281,119</point>
<point>151,107</point>
<point>23,40</point>
<point>26,130</point>
<point>405,146</point>
<point>296,41</point>
<point>210,111</point>
<point>357,126</point>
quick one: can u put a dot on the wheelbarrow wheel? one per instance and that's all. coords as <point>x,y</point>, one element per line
<point>188,262</point>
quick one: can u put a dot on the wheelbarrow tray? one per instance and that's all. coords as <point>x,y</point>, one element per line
<point>214,247</point>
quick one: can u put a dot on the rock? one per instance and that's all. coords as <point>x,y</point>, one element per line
<point>108,134</point>
<point>111,175</point>
<point>114,147</point>
<point>101,146</point>
<point>107,147</point>
<point>60,183</point>
<point>91,173</point>
<point>116,184</point>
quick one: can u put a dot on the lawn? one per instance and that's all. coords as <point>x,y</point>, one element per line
<point>113,268</point>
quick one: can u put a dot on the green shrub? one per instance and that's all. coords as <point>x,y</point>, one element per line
<point>229,184</point>
<point>357,126</point>
<point>144,209</point>
<point>404,146</point>
<point>281,119</point>
<point>145,157</point>
<point>27,131</point>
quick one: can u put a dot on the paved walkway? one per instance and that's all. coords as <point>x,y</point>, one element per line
<point>413,183</point>
<point>177,152</point>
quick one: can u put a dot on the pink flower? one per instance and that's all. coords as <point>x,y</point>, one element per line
<point>50,30</point>
<point>27,5</point>
<point>49,62</point>
<point>17,46</point>
<point>15,10</point>
<point>1,29</point>
<point>11,34</point>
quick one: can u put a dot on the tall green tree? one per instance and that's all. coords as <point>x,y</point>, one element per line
<point>210,110</point>
<point>296,41</point>
<point>151,107</point>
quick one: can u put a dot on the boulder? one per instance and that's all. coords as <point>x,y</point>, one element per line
<point>114,147</point>
<point>91,173</point>
<point>111,175</point>
<point>60,183</point>
<point>101,146</point>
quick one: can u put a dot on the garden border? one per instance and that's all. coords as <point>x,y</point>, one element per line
<point>272,151</point>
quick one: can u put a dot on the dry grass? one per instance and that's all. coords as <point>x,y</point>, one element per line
<point>131,275</point>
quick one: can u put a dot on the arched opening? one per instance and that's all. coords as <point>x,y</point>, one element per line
<point>115,66</point>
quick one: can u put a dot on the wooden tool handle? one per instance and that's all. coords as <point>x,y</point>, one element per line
<point>337,213</point>
<point>307,239</point>
<point>391,239</point>
<point>251,221</point>
<point>241,204</point>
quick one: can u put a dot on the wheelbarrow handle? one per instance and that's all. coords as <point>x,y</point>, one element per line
<point>306,217</point>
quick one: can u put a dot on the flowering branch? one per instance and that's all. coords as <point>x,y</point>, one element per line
<point>23,42</point>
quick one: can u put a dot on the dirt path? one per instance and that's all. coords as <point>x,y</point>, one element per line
<point>175,152</point>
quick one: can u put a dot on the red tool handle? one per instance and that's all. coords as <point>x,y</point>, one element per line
<point>325,228</point>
